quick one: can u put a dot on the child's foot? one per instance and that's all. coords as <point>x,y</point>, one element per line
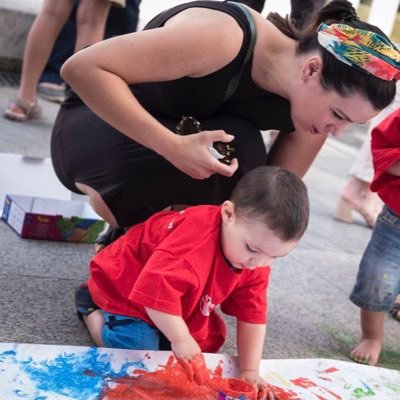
<point>395,310</point>
<point>367,352</point>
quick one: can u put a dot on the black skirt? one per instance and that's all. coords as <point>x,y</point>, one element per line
<point>136,182</point>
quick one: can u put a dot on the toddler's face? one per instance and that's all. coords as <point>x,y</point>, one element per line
<point>249,244</point>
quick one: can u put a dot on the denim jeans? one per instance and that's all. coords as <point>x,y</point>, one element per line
<point>132,333</point>
<point>378,278</point>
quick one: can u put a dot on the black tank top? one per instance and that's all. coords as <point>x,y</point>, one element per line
<point>203,97</point>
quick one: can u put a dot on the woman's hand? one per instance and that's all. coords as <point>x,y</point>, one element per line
<point>264,393</point>
<point>191,154</point>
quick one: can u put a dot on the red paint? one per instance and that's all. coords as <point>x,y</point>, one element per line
<point>320,397</point>
<point>195,369</point>
<point>324,378</point>
<point>333,394</point>
<point>303,382</point>
<point>281,394</point>
<point>329,370</point>
<point>176,380</point>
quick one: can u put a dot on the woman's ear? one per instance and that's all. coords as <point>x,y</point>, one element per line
<point>228,211</point>
<point>311,68</point>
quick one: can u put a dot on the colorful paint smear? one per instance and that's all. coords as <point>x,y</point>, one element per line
<point>172,382</point>
<point>43,372</point>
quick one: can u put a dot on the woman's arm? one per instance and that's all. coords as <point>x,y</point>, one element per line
<point>295,151</point>
<point>194,43</point>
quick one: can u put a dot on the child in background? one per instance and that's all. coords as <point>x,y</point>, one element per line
<point>378,279</point>
<point>162,281</point>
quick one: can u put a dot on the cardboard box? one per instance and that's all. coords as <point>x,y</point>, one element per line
<point>52,219</point>
<point>29,176</point>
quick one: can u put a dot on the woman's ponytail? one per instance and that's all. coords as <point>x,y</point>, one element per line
<point>337,11</point>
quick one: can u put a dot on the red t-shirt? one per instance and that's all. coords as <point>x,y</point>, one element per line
<point>385,145</point>
<point>173,263</point>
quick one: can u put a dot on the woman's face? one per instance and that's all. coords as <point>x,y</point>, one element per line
<point>316,110</point>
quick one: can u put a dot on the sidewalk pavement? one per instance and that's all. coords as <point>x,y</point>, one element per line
<point>310,315</point>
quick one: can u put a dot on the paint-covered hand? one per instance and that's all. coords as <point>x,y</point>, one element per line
<point>264,392</point>
<point>188,353</point>
<point>196,369</point>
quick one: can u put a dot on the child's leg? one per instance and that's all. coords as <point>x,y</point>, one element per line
<point>95,323</point>
<point>369,348</point>
<point>124,332</point>
<point>91,20</point>
<point>377,284</point>
<point>40,42</point>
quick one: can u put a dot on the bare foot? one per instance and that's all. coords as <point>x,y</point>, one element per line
<point>367,352</point>
<point>395,310</point>
<point>356,196</point>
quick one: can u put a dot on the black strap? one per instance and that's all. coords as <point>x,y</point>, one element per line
<point>233,84</point>
<point>161,18</point>
<point>112,321</point>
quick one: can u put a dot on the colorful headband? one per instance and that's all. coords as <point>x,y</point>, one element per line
<point>364,49</point>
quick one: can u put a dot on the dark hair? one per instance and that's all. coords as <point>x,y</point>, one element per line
<point>336,75</point>
<point>275,196</point>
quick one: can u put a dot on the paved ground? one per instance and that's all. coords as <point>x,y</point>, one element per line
<point>309,311</point>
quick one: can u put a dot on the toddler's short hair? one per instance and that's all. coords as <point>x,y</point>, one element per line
<point>275,196</point>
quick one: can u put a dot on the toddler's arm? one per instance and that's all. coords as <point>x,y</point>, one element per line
<point>184,346</point>
<point>250,341</point>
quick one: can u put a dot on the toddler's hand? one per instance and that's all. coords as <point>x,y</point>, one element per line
<point>264,393</point>
<point>188,354</point>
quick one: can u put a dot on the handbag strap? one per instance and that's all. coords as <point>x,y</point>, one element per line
<point>233,84</point>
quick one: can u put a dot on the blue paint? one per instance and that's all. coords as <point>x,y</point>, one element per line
<point>6,354</point>
<point>79,376</point>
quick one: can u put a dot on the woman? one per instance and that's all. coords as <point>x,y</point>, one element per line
<point>115,142</point>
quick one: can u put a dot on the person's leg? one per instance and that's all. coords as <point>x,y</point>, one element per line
<point>377,284</point>
<point>91,20</point>
<point>369,348</point>
<point>98,204</point>
<point>41,38</point>
<point>124,332</point>
<point>94,323</point>
<point>356,195</point>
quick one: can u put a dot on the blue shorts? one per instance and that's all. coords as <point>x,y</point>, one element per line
<point>378,279</point>
<point>122,332</point>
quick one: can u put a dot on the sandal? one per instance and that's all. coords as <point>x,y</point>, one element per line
<point>395,311</point>
<point>109,236</point>
<point>84,304</point>
<point>28,110</point>
<point>52,91</point>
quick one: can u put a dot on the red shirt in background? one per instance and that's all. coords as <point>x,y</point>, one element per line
<point>385,145</point>
<point>173,263</point>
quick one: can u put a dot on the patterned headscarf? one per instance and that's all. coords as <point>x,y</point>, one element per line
<point>364,49</point>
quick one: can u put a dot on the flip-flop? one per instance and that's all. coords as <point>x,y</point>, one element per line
<point>395,311</point>
<point>29,110</point>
